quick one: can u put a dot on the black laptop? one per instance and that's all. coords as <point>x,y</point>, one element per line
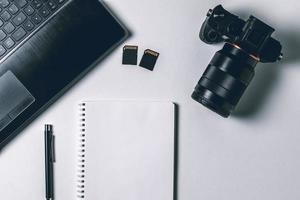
<point>46,46</point>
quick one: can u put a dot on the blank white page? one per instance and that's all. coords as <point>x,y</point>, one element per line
<point>129,150</point>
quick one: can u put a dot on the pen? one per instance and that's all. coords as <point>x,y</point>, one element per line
<point>49,160</point>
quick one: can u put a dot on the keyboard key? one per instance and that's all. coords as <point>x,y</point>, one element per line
<point>21,3</point>
<point>37,4</point>
<point>19,34</point>
<point>2,35</point>
<point>5,15</point>
<point>36,19</point>
<point>28,25</point>
<point>9,43</point>
<point>2,50</point>
<point>9,27</point>
<point>44,12</point>
<point>60,1</point>
<point>13,9</point>
<point>29,10</point>
<point>1,23</point>
<point>4,3</point>
<point>52,5</point>
<point>19,19</point>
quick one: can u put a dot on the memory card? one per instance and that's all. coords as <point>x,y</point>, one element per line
<point>149,59</point>
<point>130,54</point>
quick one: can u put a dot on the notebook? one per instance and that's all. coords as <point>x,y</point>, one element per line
<point>126,150</point>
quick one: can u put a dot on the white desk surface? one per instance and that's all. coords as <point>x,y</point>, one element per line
<point>254,155</point>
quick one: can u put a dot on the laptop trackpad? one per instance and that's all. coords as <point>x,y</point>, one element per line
<point>14,98</point>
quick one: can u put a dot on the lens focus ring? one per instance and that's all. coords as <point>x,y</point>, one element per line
<point>225,80</point>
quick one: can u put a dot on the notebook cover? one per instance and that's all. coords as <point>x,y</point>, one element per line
<point>126,150</point>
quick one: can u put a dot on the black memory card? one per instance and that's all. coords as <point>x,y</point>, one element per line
<point>149,59</point>
<point>130,54</point>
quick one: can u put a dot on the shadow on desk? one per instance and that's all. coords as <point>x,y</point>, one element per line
<point>267,77</point>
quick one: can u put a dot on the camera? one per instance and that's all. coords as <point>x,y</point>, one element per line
<point>232,68</point>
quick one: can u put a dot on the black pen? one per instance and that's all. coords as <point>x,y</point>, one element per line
<point>49,160</point>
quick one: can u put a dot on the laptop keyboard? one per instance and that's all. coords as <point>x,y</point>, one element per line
<point>19,18</point>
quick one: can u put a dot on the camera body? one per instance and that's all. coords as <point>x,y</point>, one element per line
<point>232,68</point>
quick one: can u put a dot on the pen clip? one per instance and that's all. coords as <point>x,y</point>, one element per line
<point>53,149</point>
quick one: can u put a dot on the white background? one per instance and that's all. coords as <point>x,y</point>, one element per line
<point>254,155</point>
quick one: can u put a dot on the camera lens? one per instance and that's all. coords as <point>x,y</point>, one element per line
<point>225,79</point>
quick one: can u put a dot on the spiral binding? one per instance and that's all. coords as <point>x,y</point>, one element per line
<point>81,154</point>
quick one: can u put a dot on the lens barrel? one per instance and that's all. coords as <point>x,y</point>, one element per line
<point>225,79</point>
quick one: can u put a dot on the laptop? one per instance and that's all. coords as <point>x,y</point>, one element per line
<point>46,46</point>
